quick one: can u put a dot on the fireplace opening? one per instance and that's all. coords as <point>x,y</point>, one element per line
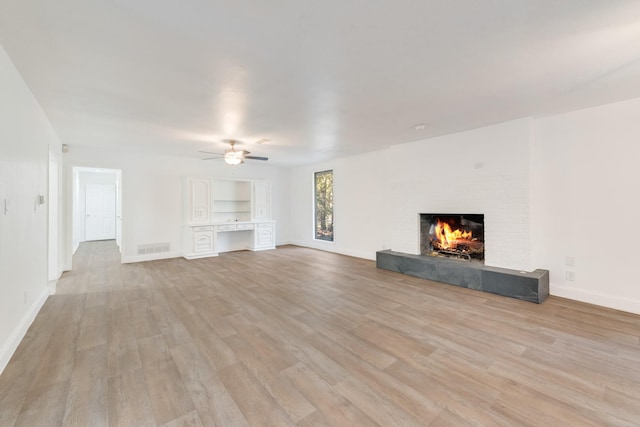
<point>459,236</point>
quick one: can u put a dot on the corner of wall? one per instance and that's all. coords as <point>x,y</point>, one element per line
<point>11,344</point>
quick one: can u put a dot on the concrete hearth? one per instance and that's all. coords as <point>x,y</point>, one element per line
<point>528,286</point>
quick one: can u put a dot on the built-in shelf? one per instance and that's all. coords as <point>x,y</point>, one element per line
<point>228,209</point>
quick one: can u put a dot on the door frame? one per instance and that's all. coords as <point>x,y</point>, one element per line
<point>78,231</point>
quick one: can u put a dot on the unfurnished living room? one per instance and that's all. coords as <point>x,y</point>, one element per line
<point>355,213</point>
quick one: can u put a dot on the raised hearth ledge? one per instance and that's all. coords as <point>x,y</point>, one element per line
<point>528,286</point>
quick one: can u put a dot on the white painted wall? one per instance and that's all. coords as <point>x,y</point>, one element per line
<point>152,193</point>
<point>361,208</point>
<point>25,139</point>
<point>585,203</point>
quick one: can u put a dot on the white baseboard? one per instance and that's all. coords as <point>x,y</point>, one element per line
<point>149,257</point>
<point>331,247</point>
<point>617,303</point>
<point>52,286</point>
<point>209,255</point>
<point>10,346</point>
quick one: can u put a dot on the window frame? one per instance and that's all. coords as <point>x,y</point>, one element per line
<point>316,236</point>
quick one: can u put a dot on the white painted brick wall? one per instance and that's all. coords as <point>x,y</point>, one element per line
<point>444,176</point>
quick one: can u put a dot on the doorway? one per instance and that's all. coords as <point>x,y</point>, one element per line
<point>97,205</point>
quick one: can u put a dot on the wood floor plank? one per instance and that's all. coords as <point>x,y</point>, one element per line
<point>335,409</point>
<point>167,392</point>
<point>87,399</point>
<point>44,406</point>
<point>169,397</point>
<point>302,337</point>
<point>405,397</point>
<point>211,346</point>
<point>380,408</point>
<point>128,400</point>
<point>256,404</point>
<point>269,376</point>
<point>192,419</point>
<point>213,402</point>
<point>315,419</point>
<point>122,347</point>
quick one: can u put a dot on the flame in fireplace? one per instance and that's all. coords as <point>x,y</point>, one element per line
<point>449,238</point>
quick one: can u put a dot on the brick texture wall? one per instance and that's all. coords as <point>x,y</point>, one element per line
<point>484,171</point>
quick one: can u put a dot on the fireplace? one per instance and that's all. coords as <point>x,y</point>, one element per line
<point>459,236</point>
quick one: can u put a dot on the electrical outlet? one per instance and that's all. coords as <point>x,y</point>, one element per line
<point>570,276</point>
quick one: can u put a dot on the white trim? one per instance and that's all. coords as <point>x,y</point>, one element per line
<point>327,248</point>
<point>19,332</point>
<point>150,257</point>
<point>610,301</point>
<point>52,286</point>
<point>207,255</point>
<point>324,242</point>
<point>262,248</point>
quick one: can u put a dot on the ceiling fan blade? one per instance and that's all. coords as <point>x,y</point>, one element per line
<point>212,158</point>
<point>209,152</point>
<point>256,158</point>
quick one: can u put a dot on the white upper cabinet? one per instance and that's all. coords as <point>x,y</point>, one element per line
<point>216,201</point>
<point>261,200</point>
<point>198,203</point>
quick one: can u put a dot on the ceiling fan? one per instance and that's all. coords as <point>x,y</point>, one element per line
<point>232,156</point>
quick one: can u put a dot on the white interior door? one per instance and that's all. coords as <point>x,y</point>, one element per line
<point>100,210</point>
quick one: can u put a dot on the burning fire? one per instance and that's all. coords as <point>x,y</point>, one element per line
<point>449,238</point>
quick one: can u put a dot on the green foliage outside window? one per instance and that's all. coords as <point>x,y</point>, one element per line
<point>324,205</point>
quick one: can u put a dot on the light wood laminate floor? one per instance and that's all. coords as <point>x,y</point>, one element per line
<point>298,337</point>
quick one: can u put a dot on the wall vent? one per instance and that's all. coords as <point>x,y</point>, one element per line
<point>154,248</point>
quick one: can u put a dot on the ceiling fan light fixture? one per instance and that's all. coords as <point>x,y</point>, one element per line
<point>233,157</point>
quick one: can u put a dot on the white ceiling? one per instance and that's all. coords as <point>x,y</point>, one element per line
<point>321,79</point>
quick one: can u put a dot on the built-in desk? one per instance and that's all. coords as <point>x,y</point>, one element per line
<point>209,240</point>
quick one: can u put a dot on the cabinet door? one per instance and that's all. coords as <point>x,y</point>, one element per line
<point>198,201</point>
<point>265,235</point>
<point>202,242</point>
<point>261,200</point>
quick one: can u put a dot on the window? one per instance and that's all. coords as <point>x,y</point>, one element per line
<point>323,201</point>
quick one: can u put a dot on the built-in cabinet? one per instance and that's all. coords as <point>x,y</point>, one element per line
<point>261,200</point>
<point>226,215</point>
<point>198,201</point>
<point>264,235</point>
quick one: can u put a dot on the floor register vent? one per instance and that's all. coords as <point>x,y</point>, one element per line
<point>154,248</point>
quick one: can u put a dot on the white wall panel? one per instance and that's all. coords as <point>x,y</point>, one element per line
<point>25,139</point>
